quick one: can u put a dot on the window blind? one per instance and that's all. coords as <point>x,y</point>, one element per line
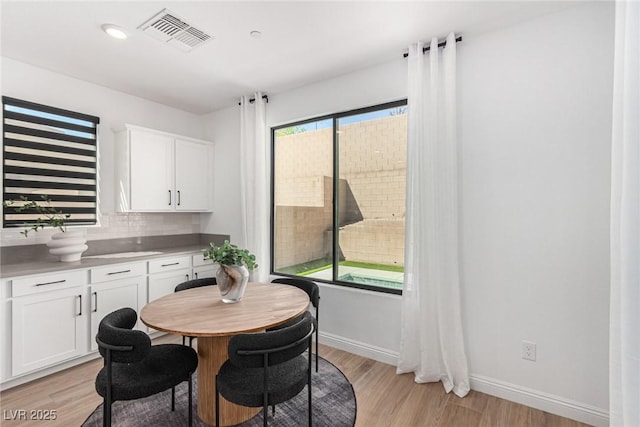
<point>49,152</point>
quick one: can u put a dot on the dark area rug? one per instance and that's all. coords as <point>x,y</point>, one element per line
<point>334,405</point>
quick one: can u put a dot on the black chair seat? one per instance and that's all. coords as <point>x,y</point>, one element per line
<point>150,376</point>
<point>134,369</point>
<point>267,368</point>
<point>245,386</point>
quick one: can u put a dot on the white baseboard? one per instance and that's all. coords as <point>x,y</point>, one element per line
<point>361,349</point>
<point>16,381</point>
<point>533,398</point>
<point>539,400</point>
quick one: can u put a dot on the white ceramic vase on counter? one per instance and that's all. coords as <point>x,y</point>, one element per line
<point>68,246</point>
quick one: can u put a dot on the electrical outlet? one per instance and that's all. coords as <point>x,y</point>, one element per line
<point>529,350</point>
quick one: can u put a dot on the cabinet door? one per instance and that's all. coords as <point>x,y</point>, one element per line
<point>165,283</point>
<point>193,176</point>
<point>111,296</point>
<point>48,328</point>
<point>151,172</point>
<point>204,272</point>
<point>162,284</point>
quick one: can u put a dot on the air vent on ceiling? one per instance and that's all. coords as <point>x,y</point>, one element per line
<point>167,27</point>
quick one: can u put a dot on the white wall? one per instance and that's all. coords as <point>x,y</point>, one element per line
<point>535,108</point>
<point>23,81</point>
<point>223,127</point>
<point>534,125</point>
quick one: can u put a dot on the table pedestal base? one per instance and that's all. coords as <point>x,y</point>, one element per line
<point>212,353</point>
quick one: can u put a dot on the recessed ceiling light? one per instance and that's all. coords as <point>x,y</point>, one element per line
<point>255,34</point>
<point>114,31</point>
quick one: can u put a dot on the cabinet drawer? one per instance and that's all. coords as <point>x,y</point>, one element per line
<point>119,271</point>
<point>46,283</point>
<point>199,260</point>
<point>169,264</point>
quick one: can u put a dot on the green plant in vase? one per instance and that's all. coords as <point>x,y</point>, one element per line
<point>233,271</point>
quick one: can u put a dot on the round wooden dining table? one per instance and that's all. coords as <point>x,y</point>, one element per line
<point>200,312</point>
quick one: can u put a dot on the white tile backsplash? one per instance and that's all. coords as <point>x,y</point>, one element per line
<point>115,226</point>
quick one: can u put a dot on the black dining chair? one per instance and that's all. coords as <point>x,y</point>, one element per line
<point>267,368</point>
<point>133,368</point>
<point>190,284</point>
<point>312,289</point>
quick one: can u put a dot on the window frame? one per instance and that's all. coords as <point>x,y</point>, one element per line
<point>336,182</point>
<point>72,146</point>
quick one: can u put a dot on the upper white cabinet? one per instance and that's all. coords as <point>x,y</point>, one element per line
<point>162,172</point>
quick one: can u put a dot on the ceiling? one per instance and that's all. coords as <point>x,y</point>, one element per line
<point>301,42</point>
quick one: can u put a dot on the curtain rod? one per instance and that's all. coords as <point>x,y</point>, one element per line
<point>428,48</point>
<point>252,100</point>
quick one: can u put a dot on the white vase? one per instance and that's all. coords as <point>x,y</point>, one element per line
<point>232,282</point>
<point>67,246</point>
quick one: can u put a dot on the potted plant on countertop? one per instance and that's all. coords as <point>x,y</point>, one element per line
<point>233,269</point>
<point>66,245</point>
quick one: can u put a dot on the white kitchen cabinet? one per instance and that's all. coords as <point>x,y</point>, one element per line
<point>166,273</point>
<point>114,287</point>
<point>5,331</point>
<point>193,179</point>
<point>48,320</point>
<point>152,177</point>
<point>162,172</point>
<point>202,267</point>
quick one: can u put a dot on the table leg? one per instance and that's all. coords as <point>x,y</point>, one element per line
<point>212,353</point>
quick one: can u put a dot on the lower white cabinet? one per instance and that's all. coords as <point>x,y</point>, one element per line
<point>166,273</point>
<point>108,297</point>
<point>47,328</point>
<point>165,283</point>
<point>49,319</point>
<point>114,287</point>
<point>203,267</point>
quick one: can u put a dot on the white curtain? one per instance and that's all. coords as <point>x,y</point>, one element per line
<point>254,182</point>
<point>431,337</point>
<point>624,354</point>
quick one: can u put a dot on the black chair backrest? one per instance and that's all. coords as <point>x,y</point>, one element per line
<point>306,285</point>
<point>115,329</point>
<point>196,283</point>
<point>281,345</point>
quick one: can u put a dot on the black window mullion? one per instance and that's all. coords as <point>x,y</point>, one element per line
<point>335,197</point>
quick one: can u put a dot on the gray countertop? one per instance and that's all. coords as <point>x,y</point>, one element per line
<point>48,266</point>
<point>22,261</point>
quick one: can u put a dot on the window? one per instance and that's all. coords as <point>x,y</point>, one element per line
<point>339,185</point>
<point>49,152</point>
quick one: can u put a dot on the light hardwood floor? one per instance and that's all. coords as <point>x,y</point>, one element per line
<point>383,399</point>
